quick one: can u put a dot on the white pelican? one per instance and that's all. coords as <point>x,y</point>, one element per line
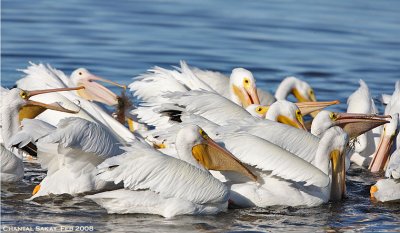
<point>16,104</point>
<point>156,183</point>
<point>283,177</point>
<point>365,145</point>
<point>47,77</point>
<point>151,86</point>
<point>389,132</point>
<point>70,154</point>
<point>300,89</point>
<point>355,124</point>
<point>288,137</point>
<point>290,85</point>
<point>220,83</point>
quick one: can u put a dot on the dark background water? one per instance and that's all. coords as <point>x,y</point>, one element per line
<point>331,44</point>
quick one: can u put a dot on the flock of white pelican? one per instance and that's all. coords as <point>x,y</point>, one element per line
<point>196,141</point>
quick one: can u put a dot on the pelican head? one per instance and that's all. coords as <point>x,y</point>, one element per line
<point>383,150</point>
<point>94,91</point>
<point>354,124</point>
<point>333,144</point>
<point>257,110</point>
<point>29,108</point>
<point>204,151</point>
<point>16,105</point>
<point>299,88</point>
<point>287,113</point>
<point>243,87</point>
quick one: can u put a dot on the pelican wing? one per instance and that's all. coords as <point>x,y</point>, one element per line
<point>210,105</point>
<point>266,156</point>
<point>86,136</point>
<point>190,79</point>
<point>296,141</point>
<point>218,81</point>
<point>167,135</point>
<point>145,168</point>
<point>45,77</point>
<point>158,81</point>
<point>155,83</point>
<point>159,115</point>
<point>40,76</point>
<point>32,130</point>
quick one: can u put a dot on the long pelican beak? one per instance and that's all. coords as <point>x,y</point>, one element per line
<point>309,107</point>
<point>214,157</point>
<point>246,95</point>
<point>382,153</point>
<point>338,186</point>
<point>356,124</point>
<point>97,92</point>
<point>33,108</point>
<point>295,123</point>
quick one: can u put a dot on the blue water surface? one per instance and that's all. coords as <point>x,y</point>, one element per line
<point>330,44</point>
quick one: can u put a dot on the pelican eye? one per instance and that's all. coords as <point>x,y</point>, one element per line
<point>203,134</point>
<point>246,82</point>
<point>24,94</point>
<point>80,73</point>
<point>311,94</point>
<point>333,116</point>
<point>299,116</point>
<point>259,109</point>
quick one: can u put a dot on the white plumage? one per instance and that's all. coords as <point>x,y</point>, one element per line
<point>12,167</point>
<point>292,181</point>
<point>45,77</point>
<point>266,156</point>
<point>71,153</point>
<point>156,183</point>
<point>366,144</point>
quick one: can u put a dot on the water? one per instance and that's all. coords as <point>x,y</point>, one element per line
<point>330,44</point>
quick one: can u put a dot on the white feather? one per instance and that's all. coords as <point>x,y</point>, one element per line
<point>145,168</point>
<point>266,156</point>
